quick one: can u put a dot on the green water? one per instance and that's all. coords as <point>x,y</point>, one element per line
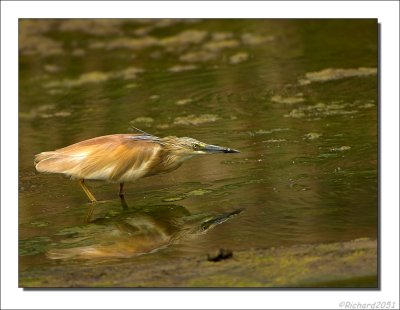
<point>298,98</point>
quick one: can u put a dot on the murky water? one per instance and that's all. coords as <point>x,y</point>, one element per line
<point>297,98</point>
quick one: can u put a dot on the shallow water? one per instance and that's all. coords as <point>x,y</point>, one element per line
<point>297,98</point>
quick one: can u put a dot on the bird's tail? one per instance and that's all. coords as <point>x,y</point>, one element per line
<point>45,162</point>
<point>79,252</point>
<point>42,156</point>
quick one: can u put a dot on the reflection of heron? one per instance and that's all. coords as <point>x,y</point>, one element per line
<point>135,232</point>
<point>122,158</point>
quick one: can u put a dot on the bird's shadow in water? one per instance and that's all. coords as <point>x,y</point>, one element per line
<point>134,231</point>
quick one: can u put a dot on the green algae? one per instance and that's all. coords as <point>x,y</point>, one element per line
<point>196,119</point>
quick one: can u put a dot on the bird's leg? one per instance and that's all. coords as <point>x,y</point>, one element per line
<point>124,205</point>
<point>121,190</point>
<point>89,213</point>
<point>121,194</point>
<point>91,198</point>
<point>86,190</point>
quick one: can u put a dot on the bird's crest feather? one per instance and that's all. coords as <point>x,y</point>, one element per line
<point>132,128</point>
<point>145,136</point>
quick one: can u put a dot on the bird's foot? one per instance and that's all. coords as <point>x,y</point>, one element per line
<point>123,202</point>
<point>103,201</point>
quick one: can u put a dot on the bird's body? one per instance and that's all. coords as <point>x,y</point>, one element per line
<point>114,158</point>
<point>121,158</point>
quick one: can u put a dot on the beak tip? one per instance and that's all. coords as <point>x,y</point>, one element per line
<point>211,149</point>
<point>231,151</point>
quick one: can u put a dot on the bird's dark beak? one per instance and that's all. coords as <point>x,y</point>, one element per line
<point>209,148</point>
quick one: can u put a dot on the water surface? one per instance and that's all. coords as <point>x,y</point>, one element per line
<point>298,98</point>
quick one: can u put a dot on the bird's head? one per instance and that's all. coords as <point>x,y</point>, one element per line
<point>189,147</point>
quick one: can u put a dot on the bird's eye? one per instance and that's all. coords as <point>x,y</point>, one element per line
<point>196,146</point>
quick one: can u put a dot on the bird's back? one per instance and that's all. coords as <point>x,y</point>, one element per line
<point>113,158</point>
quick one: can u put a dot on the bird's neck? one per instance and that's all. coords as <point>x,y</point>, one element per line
<point>173,161</point>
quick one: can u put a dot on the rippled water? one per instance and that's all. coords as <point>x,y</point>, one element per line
<point>297,98</point>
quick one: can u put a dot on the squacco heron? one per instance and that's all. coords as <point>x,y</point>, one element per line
<point>121,158</point>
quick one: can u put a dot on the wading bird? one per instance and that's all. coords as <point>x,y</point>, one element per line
<point>122,158</point>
